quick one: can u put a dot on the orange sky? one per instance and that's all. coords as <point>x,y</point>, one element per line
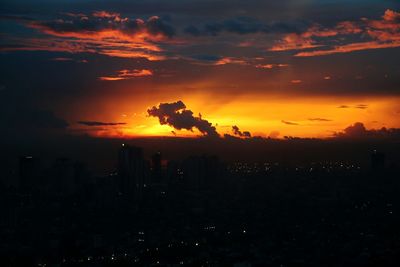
<point>283,74</point>
<point>261,115</point>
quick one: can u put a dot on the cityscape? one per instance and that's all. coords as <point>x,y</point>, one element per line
<point>201,211</point>
<point>200,133</point>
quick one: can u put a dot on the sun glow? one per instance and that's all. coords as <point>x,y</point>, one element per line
<point>305,117</point>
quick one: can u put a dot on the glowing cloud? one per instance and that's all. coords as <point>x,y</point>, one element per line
<point>271,66</point>
<point>127,74</point>
<point>384,33</point>
<point>294,41</point>
<point>102,32</point>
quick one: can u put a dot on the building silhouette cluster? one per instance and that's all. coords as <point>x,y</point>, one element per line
<point>200,211</point>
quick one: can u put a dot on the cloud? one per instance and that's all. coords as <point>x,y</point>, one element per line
<point>68,59</point>
<point>101,32</point>
<point>100,14</point>
<point>236,131</point>
<point>358,130</point>
<point>319,119</point>
<point>99,123</point>
<point>103,24</point>
<point>383,33</point>
<point>296,81</point>
<point>271,66</point>
<point>289,122</point>
<point>212,60</point>
<point>391,15</point>
<point>349,48</point>
<point>127,74</point>
<point>359,106</point>
<point>294,41</point>
<point>242,26</point>
<point>30,118</point>
<point>230,60</point>
<point>177,116</point>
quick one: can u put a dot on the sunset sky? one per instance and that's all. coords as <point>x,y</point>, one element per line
<point>302,68</point>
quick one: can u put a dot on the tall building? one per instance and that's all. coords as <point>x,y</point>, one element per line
<point>29,172</point>
<point>201,172</point>
<point>131,171</point>
<point>63,175</point>
<point>156,167</point>
<point>377,161</point>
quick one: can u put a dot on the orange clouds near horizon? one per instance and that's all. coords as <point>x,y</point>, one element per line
<point>306,118</point>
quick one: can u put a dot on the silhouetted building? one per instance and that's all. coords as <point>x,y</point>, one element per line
<point>64,175</point>
<point>377,161</point>
<point>131,170</point>
<point>29,172</point>
<point>156,167</point>
<point>174,173</point>
<point>82,175</point>
<point>201,172</point>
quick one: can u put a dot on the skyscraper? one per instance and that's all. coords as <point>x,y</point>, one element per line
<point>377,161</point>
<point>156,168</point>
<point>131,171</point>
<point>29,171</point>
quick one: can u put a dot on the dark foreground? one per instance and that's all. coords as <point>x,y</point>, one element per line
<point>204,213</point>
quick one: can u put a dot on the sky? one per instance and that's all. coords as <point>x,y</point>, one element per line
<point>190,68</point>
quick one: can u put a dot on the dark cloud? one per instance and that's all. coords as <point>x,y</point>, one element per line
<point>176,115</point>
<point>101,32</point>
<point>22,121</point>
<point>104,21</point>
<point>319,119</point>
<point>358,130</point>
<point>243,25</point>
<point>192,30</point>
<point>30,118</point>
<point>100,123</point>
<point>16,18</point>
<point>156,25</point>
<point>69,59</point>
<point>236,131</point>
<point>289,122</point>
<point>207,57</point>
<point>361,106</point>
